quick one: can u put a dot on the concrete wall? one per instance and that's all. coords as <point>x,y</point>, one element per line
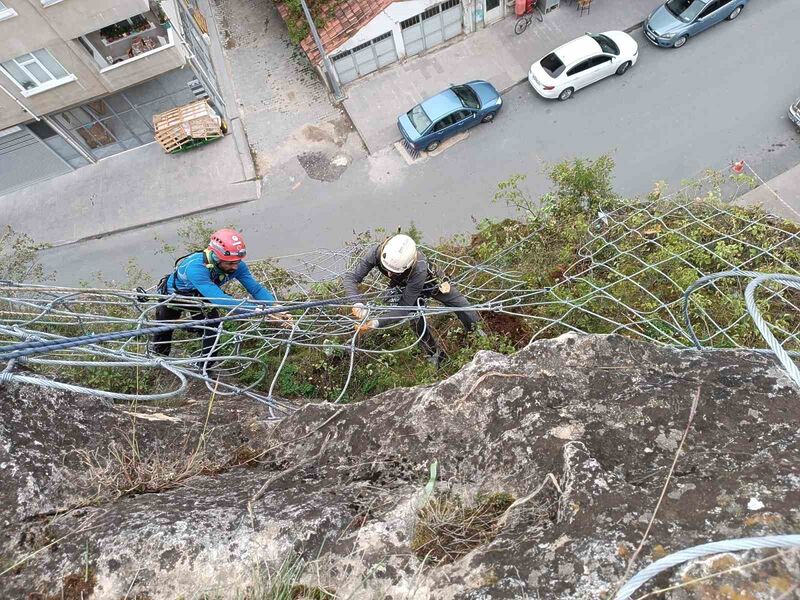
<point>54,28</point>
<point>71,18</point>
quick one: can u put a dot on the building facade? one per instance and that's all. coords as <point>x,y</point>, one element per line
<point>366,35</point>
<point>80,80</point>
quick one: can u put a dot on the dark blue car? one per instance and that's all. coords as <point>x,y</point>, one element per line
<point>447,113</point>
<point>671,24</point>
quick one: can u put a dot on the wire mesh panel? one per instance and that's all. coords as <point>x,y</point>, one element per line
<point>680,271</point>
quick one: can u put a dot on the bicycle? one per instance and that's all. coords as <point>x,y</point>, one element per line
<point>526,19</point>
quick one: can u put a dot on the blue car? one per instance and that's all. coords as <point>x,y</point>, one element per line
<point>670,25</point>
<point>447,113</point>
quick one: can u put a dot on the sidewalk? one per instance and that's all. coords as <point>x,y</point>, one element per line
<point>779,196</point>
<point>131,189</point>
<point>495,54</point>
<point>142,186</point>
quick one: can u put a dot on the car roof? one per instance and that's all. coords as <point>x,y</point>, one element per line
<point>441,104</point>
<point>577,49</point>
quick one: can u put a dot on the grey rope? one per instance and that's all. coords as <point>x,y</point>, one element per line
<point>757,279</point>
<point>663,564</point>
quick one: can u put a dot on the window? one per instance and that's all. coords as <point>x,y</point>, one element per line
<point>418,118</point>
<point>36,70</point>
<point>445,122</point>
<point>46,3</point>
<point>552,65</point>
<point>467,96</point>
<point>600,60</point>
<point>607,45</point>
<point>685,10</point>
<point>460,115</point>
<point>6,12</point>
<point>579,68</point>
<point>710,7</point>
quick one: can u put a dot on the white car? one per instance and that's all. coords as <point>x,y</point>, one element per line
<point>581,62</point>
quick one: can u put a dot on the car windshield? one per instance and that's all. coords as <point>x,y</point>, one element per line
<point>468,97</point>
<point>418,118</point>
<point>607,45</point>
<point>685,10</point>
<point>552,65</point>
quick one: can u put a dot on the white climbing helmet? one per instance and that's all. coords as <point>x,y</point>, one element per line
<point>398,253</point>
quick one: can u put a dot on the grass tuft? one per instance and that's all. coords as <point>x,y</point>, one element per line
<point>447,527</point>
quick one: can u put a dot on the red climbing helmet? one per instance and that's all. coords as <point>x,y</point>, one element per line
<point>227,245</point>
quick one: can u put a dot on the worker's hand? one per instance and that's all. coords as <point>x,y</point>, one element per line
<point>285,319</point>
<point>366,326</point>
<point>358,311</point>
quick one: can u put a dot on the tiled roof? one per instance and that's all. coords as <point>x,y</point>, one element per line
<point>348,17</point>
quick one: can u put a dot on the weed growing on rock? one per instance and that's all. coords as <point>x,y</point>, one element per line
<point>447,527</point>
<point>281,583</point>
<point>126,470</point>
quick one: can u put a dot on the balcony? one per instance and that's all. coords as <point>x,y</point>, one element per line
<point>137,48</point>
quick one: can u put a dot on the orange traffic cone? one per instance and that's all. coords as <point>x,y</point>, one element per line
<point>738,167</point>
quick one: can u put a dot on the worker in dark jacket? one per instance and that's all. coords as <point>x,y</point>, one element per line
<point>412,277</point>
<point>202,274</point>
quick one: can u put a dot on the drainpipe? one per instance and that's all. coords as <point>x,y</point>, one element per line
<point>337,90</point>
<point>53,125</point>
<point>65,135</point>
<point>15,99</point>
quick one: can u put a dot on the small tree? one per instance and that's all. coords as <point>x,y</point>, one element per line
<point>579,186</point>
<point>19,260</point>
<point>581,183</point>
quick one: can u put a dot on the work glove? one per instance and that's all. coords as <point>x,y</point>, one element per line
<point>284,318</point>
<point>366,326</point>
<point>358,311</point>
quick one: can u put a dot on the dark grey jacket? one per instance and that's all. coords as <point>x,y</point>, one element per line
<point>412,281</point>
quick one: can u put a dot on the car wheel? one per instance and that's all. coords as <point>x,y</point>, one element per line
<point>488,118</point>
<point>432,146</point>
<point>680,41</point>
<point>623,68</point>
<point>735,13</point>
<point>566,94</point>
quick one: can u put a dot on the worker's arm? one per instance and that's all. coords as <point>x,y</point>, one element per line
<point>255,289</point>
<point>411,293</point>
<point>357,274</point>
<point>199,277</point>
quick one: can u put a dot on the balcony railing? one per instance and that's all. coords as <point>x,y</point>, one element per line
<point>136,37</point>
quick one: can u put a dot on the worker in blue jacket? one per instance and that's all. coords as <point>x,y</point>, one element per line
<point>202,275</point>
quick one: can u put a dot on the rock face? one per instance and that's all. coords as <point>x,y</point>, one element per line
<point>340,485</point>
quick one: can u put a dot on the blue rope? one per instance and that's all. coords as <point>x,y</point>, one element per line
<point>23,349</point>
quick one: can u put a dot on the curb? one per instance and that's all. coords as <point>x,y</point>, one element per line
<point>634,27</point>
<point>358,131</point>
<point>243,148</point>
<point>98,236</point>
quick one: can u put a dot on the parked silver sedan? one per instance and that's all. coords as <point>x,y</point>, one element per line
<point>794,112</point>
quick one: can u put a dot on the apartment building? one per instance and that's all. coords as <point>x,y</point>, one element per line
<point>80,80</point>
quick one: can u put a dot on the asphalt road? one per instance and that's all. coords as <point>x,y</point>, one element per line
<point>721,98</point>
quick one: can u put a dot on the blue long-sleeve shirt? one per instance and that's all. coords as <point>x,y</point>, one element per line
<point>194,273</point>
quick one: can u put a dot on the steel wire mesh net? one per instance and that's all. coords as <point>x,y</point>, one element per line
<point>630,276</point>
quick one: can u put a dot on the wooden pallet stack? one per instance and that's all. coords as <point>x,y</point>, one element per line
<point>187,126</point>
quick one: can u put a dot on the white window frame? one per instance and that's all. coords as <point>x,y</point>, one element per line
<point>42,85</point>
<point>46,3</point>
<point>6,12</point>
